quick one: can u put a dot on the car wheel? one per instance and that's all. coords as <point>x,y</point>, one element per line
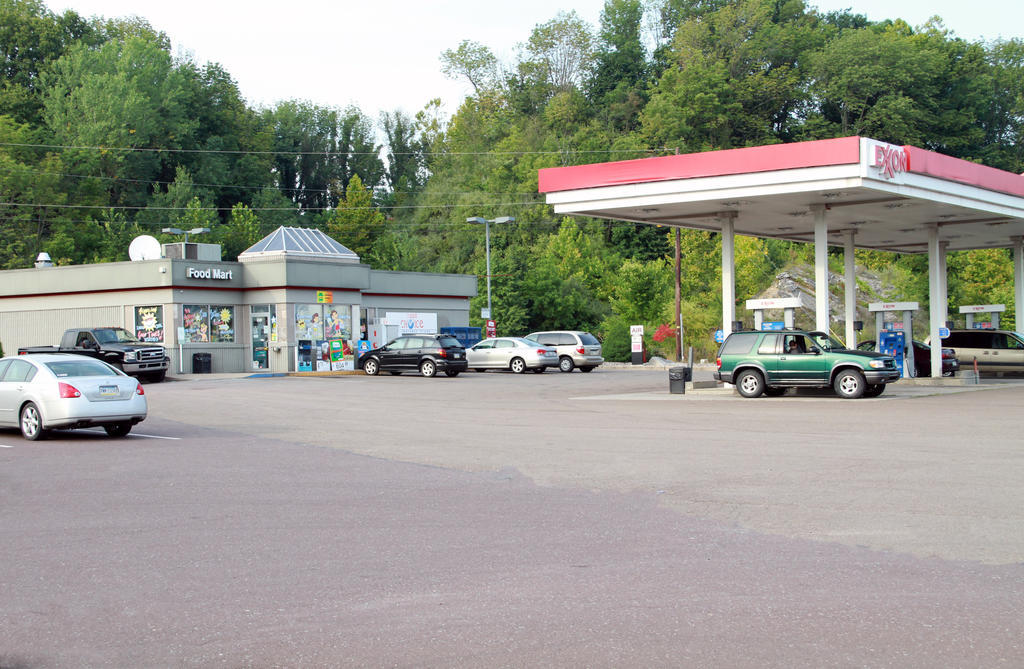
<point>874,391</point>
<point>566,364</point>
<point>31,423</point>
<point>849,384</point>
<point>750,383</point>
<point>586,369</point>
<point>371,367</point>
<point>774,392</point>
<point>538,370</point>
<point>518,365</point>
<point>451,372</point>
<point>428,368</point>
<point>118,429</point>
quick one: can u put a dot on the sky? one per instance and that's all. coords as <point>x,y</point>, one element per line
<point>385,54</point>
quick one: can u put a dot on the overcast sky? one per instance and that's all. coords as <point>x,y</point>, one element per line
<point>384,54</point>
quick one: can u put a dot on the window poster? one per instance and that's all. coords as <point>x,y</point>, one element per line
<point>222,324</point>
<point>339,322</point>
<point>195,319</point>
<point>149,324</point>
<point>309,322</point>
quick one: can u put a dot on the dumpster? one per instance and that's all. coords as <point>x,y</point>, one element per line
<point>201,363</point>
<point>677,378</point>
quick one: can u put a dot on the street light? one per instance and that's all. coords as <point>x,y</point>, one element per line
<point>487,247</point>
<point>179,231</point>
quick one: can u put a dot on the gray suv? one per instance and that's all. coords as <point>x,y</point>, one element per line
<point>575,348</point>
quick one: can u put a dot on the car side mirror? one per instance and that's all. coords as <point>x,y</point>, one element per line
<point>815,350</point>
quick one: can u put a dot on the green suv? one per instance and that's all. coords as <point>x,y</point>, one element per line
<point>769,362</point>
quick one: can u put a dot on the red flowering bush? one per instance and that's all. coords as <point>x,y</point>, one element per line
<point>666,331</point>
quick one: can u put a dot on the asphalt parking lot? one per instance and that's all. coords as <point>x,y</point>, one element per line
<point>503,520</point>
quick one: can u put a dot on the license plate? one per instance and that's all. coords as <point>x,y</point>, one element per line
<point>107,391</point>
<point>456,355</point>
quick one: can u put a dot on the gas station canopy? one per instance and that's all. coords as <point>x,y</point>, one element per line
<point>889,196</point>
<point>853,191</point>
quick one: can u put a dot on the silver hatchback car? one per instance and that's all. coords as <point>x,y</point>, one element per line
<point>40,392</point>
<point>512,353</point>
<point>575,348</point>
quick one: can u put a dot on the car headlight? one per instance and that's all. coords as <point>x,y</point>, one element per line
<point>129,356</point>
<point>877,364</point>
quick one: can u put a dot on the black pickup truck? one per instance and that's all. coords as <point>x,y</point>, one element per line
<point>114,345</point>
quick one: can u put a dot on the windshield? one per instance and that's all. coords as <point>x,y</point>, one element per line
<point>84,367</point>
<point>826,343</point>
<point>115,336</point>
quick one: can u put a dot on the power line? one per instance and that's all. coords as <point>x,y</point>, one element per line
<point>322,153</point>
<point>291,209</point>
<point>28,170</point>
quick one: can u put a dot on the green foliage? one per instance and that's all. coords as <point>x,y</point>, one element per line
<point>355,222</point>
<point>99,115</point>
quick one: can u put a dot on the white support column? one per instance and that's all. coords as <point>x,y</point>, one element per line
<point>944,278</point>
<point>935,319</point>
<point>758,318</point>
<point>850,279</point>
<point>1018,282</point>
<point>728,222</point>
<point>821,315</point>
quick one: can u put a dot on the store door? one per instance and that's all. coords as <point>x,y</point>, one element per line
<point>260,340</point>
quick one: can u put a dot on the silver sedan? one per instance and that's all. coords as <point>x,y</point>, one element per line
<point>40,392</point>
<point>512,353</point>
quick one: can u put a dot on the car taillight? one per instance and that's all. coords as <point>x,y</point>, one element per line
<point>718,362</point>
<point>139,390</point>
<point>542,351</point>
<point>68,391</point>
<point>443,353</point>
<point>581,350</point>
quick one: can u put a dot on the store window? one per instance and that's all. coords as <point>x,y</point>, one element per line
<point>208,323</point>
<point>195,319</point>
<point>316,326</point>
<point>149,324</point>
<point>222,324</point>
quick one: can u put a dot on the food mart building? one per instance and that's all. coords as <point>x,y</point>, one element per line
<point>276,309</point>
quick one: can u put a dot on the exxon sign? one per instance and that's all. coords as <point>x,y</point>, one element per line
<point>888,159</point>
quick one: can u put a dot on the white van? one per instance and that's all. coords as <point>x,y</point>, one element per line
<point>575,348</point>
<point>996,351</point>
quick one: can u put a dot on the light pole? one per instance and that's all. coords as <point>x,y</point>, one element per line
<point>179,231</point>
<point>487,248</point>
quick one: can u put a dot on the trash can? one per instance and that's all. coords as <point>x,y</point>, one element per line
<point>677,378</point>
<point>201,363</point>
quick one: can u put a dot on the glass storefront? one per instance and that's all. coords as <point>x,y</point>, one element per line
<point>322,335</point>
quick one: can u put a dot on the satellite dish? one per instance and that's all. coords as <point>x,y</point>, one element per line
<point>144,247</point>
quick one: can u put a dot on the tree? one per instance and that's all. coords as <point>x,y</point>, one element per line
<point>355,222</point>
<point>31,38</point>
<point>319,149</point>
<point>241,231</point>
<point>124,103</point>
<point>471,60</point>
<point>620,63</point>
<point>404,171</point>
<point>560,53</point>
<point>735,78</point>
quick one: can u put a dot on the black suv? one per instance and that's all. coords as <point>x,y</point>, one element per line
<point>423,353</point>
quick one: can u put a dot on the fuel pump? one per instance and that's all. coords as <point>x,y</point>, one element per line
<point>894,343</point>
<point>905,355</point>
